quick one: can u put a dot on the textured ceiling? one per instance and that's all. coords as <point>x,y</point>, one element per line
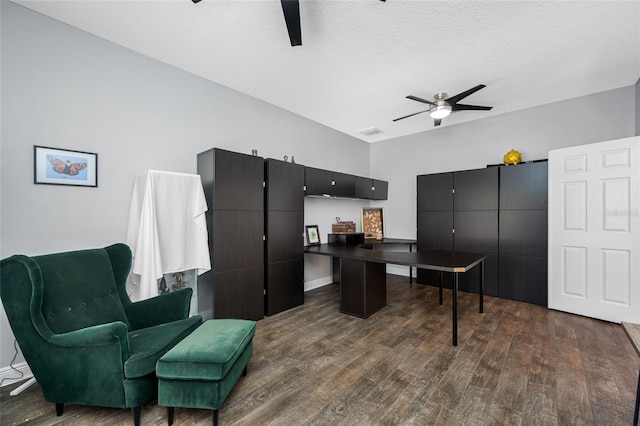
<point>360,58</point>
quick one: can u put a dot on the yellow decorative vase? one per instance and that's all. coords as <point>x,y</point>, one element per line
<point>512,157</point>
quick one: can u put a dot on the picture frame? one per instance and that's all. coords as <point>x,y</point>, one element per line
<point>373,222</point>
<point>313,235</point>
<point>57,166</point>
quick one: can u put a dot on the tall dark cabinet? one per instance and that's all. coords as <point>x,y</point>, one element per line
<point>284,247</point>
<point>435,219</point>
<point>475,224</point>
<point>233,186</point>
<point>459,211</point>
<point>498,211</point>
<point>523,232</point>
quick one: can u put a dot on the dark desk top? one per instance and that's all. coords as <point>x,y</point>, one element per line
<point>446,261</point>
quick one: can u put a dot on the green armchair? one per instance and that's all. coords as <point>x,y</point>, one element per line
<point>84,340</point>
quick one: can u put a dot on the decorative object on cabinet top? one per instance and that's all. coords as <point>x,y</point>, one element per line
<point>512,157</point>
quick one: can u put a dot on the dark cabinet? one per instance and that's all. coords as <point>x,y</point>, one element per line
<point>284,246</point>
<point>321,182</point>
<point>524,187</point>
<point>233,186</point>
<point>460,212</point>
<point>523,232</point>
<point>371,189</point>
<point>497,211</point>
<point>318,181</point>
<point>435,192</point>
<point>344,185</point>
<point>476,189</point>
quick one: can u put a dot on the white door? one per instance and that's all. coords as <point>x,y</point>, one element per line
<point>594,230</point>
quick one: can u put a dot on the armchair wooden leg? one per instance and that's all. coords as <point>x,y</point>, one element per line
<point>244,372</point>
<point>59,408</point>
<point>135,411</point>
<point>215,417</point>
<point>170,411</point>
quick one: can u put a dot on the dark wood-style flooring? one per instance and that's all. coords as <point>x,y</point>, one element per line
<point>516,364</point>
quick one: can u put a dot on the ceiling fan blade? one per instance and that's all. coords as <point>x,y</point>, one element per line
<point>460,96</point>
<point>437,121</point>
<point>424,101</point>
<point>291,10</point>
<point>410,115</point>
<point>463,107</point>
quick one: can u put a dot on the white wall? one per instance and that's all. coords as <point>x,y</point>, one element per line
<point>64,88</point>
<point>533,132</point>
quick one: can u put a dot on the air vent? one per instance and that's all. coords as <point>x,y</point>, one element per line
<point>370,131</point>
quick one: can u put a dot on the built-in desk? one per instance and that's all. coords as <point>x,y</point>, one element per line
<point>363,275</point>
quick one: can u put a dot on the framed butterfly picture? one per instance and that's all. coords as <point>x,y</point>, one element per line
<point>56,166</point>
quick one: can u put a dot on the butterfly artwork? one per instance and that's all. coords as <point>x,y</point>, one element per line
<point>65,168</point>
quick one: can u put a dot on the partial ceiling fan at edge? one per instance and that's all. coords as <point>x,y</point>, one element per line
<point>291,11</point>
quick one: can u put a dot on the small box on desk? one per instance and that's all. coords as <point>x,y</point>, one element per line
<point>343,228</point>
<point>346,239</point>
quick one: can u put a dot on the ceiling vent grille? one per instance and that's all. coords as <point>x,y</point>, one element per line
<point>370,131</point>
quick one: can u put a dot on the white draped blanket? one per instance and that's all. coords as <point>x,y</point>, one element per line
<point>167,229</point>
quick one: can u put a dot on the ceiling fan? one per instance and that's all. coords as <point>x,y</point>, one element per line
<point>291,11</point>
<point>443,106</point>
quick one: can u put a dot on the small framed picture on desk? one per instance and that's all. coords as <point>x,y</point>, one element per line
<point>313,236</point>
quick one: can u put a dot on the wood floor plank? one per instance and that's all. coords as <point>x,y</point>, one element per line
<point>516,364</point>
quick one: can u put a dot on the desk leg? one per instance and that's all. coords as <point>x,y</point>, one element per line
<point>440,286</point>
<point>481,286</point>
<point>455,310</point>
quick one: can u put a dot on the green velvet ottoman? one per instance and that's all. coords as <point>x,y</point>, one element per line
<point>201,370</point>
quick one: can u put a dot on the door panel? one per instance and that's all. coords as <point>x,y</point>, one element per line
<point>285,186</point>
<point>285,286</point>
<point>284,237</point>
<point>239,293</point>
<point>522,232</point>
<point>435,192</point>
<point>524,186</point>
<point>476,189</point>
<point>237,241</point>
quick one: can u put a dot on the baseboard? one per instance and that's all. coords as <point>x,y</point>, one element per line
<point>398,270</point>
<point>9,375</point>
<point>320,282</point>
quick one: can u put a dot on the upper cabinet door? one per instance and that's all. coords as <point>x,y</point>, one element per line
<point>238,181</point>
<point>380,190</point>
<point>371,189</point>
<point>524,186</point>
<point>364,188</point>
<point>435,192</point>
<point>285,186</point>
<point>344,185</point>
<point>476,189</point>
<point>318,181</point>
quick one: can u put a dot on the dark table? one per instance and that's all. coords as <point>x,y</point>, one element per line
<point>363,275</point>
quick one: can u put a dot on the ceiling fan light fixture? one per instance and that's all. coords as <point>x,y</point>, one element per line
<point>440,111</point>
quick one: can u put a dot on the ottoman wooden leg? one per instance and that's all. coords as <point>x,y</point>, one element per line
<point>170,411</point>
<point>244,372</point>
<point>215,417</point>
